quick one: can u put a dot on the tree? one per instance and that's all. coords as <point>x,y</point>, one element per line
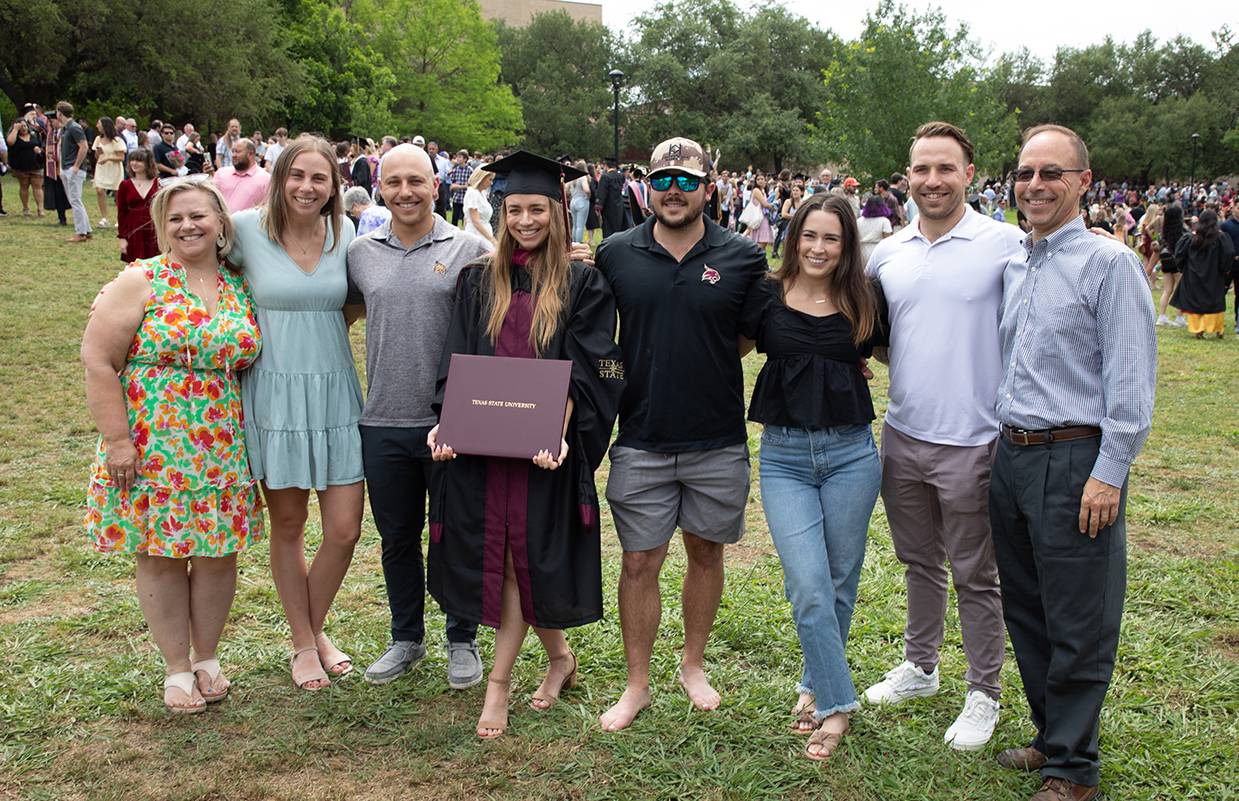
<point>445,60</point>
<point>904,70</point>
<point>163,57</point>
<point>676,52</point>
<point>23,23</point>
<point>347,89</point>
<point>1017,80</point>
<point>749,84</point>
<point>1081,79</point>
<point>557,68</point>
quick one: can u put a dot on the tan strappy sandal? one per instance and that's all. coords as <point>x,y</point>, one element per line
<point>548,701</point>
<point>336,663</point>
<point>826,741</point>
<point>806,719</point>
<point>498,726</point>
<point>309,675</point>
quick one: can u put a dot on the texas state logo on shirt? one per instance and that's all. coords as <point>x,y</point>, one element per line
<point>710,275</point>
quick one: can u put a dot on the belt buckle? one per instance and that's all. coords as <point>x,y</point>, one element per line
<point>1017,433</point>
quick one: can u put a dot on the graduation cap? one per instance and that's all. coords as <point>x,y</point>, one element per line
<point>530,174</point>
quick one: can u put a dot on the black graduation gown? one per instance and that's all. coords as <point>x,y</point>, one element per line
<point>611,201</point>
<point>548,518</point>
<point>1206,275</point>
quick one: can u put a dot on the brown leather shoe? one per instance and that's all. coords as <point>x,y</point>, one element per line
<point>1029,759</point>
<point>1056,789</point>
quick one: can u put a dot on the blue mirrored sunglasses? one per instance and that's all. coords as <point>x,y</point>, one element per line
<point>687,183</point>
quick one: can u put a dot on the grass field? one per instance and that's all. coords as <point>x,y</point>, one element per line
<point>80,711</point>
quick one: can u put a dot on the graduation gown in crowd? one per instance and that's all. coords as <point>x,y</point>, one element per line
<point>611,201</point>
<point>1206,275</point>
<point>548,518</point>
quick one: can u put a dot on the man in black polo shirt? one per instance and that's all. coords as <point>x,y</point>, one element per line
<point>681,458</point>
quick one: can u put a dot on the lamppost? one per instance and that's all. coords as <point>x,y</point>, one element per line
<point>1191,191</point>
<point>617,78</point>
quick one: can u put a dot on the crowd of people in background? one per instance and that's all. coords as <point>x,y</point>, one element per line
<point>52,155</point>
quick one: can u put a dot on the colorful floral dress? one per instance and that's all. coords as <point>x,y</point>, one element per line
<point>194,495</point>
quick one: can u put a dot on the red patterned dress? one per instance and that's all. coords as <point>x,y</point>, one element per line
<point>194,495</point>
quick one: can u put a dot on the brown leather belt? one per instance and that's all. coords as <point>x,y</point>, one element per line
<point>1020,436</point>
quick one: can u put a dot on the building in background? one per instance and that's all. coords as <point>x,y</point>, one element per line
<point>520,12</point>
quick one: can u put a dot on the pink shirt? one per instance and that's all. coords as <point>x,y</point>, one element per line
<point>243,190</point>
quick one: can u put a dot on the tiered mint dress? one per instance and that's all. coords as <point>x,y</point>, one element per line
<point>302,398</point>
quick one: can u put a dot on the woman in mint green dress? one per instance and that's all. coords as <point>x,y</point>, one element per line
<point>302,397</point>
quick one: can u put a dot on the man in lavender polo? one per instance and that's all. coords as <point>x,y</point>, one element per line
<point>942,278</point>
<point>243,183</point>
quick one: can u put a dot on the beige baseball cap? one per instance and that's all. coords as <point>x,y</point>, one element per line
<point>679,154</point>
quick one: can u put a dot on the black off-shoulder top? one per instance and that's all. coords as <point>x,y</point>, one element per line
<point>812,376</point>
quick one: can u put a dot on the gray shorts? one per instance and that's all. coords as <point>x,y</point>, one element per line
<point>702,492</point>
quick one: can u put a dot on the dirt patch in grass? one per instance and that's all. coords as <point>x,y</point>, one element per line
<point>1177,542</point>
<point>1227,643</point>
<point>133,762</point>
<point>51,607</point>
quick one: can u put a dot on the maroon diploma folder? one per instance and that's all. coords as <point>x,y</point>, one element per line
<point>500,406</point>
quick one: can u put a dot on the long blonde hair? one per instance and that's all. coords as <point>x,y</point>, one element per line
<point>549,272</point>
<point>274,218</point>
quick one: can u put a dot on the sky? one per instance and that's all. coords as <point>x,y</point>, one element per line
<point>998,25</point>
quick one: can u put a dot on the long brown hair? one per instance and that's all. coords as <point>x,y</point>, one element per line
<point>275,216</point>
<point>847,283</point>
<point>549,273</point>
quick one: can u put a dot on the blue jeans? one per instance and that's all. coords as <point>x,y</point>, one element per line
<point>73,181</point>
<point>580,213</point>
<point>818,489</point>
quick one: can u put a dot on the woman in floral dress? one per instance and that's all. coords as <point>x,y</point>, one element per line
<point>171,484</point>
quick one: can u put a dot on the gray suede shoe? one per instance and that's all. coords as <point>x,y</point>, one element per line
<point>399,658</point>
<point>464,666</point>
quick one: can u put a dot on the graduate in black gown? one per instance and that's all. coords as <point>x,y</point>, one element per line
<point>515,543</point>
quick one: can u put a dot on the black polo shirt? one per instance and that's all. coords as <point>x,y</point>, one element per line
<point>679,324</point>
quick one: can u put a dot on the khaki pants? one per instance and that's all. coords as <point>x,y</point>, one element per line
<point>936,503</point>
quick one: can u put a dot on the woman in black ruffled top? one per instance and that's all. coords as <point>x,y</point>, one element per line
<point>816,319</point>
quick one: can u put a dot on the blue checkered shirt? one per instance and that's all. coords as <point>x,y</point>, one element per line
<point>1078,343</point>
<point>459,175</point>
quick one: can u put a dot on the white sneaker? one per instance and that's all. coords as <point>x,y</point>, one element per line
<point>904,682</point>
<point>1179,322</point>
<point>103,223</point>
<point>975,725</point>
<point>1163,320</point>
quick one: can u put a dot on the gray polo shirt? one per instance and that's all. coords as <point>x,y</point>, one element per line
<point>408,294</point>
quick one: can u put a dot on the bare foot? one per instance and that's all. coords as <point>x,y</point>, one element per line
<point>695,683</point>
<point>803,713</point>
<point>494,718</point>
<point>626,709</point>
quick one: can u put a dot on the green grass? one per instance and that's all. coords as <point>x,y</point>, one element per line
<point>80,704</point>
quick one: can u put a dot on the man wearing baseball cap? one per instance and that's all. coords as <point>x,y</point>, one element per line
<point>851,187</point>
<point>681,458</point>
